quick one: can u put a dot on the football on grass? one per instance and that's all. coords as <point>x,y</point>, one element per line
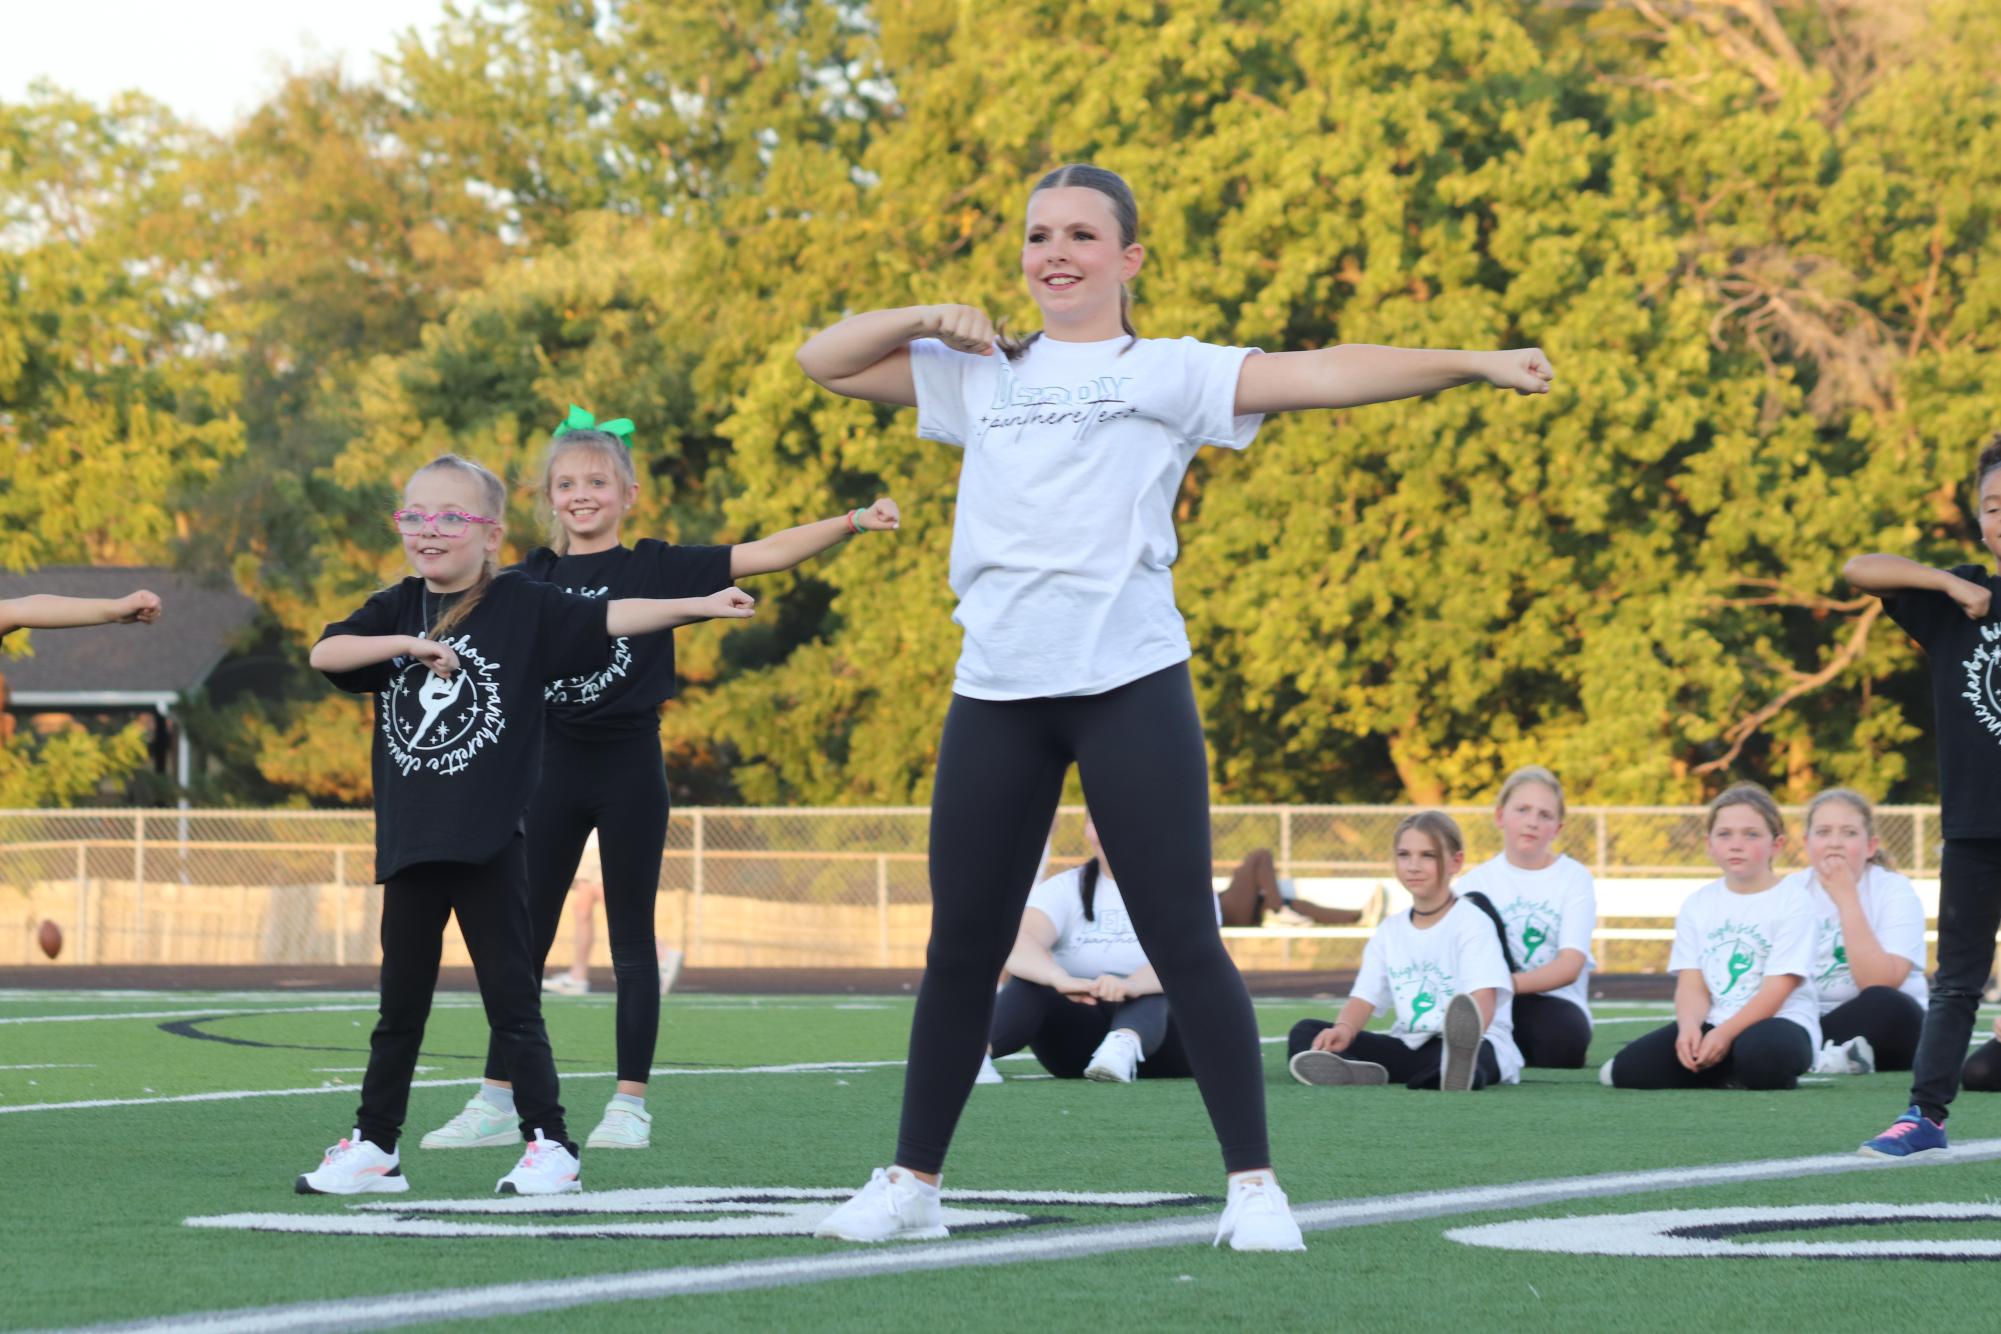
<point>50,937</point>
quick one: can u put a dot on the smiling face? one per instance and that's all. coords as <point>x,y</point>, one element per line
<point>1990,513</point>
<point>590,495</point>
<point>449,564</point>
<point>1529,820</point>
<point>1742,843</point>
<point>1076,262</point>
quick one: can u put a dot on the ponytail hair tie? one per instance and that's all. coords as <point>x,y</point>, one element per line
<point>579,420</point>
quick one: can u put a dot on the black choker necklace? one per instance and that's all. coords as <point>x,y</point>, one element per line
<point>1433,912</point>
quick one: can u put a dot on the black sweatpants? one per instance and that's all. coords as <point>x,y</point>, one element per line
<point>491,903</point>
<point>1886,1016</point>
<point>1969,910</point>
<point>1413,1067</point>
<point>1551,1032</point>
<point>618,788</point>
<point>1000,773</point>
<point>1063,1033</point>
<point>1770,1054</point>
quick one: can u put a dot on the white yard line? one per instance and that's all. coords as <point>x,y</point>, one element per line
<point>508,1299</point>
<point>213,1013</point>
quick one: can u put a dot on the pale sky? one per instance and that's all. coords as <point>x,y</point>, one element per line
<point>211,61</point>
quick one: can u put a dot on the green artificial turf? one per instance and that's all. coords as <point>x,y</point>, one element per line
<point>95,1229</point>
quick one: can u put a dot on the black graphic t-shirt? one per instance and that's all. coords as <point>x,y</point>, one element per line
<point>1965,659</point>
<point>622,698</point>
<point>456,760</point>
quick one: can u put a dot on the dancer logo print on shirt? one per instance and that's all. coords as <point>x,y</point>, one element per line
<point>1422,991</point>
<point>440,724</point>
<point>587,690</point>
<point>1983,680</point>
<point>1835,951</point>
<point>1733,960</point>
<point>1534,925</point>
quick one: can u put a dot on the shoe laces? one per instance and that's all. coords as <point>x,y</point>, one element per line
<point>339,1151</point>
<point>1899,1128</point>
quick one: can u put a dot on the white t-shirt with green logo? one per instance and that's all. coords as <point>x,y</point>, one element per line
<point>1890,905</point>
<point>1736,941</point>
<point>1416,973</point>
<point>1547,912</point>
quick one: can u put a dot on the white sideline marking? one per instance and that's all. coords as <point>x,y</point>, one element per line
<point>238,1095</point>
<point>47,1067</point>
<point>1661,1233</point>
<point>509,1299</point>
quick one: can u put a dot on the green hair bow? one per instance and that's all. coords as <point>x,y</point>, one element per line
<point>579,420</point>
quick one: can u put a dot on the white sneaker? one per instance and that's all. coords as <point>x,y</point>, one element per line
<point>670,968</point>
<point>1258,1218</point>
<point>1116,1061</point>
<point>893,1206</point>
<point>1326,1068</point>
<point>623,1127</point>
<point>354,1167</point>
<point>1853,1057</point>
<point>562,984</point>
<point>547,1168</point>
<point>1605,1074</point>
<point>1374,908</point>
<point>988,1074</point>
<point>479,1125</point>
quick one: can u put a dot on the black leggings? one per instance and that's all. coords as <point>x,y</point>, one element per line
<point>491,903</point>
<point>1063,1034</point>
<point>1551,1032</point>
<point>1886,1016</point>
<point>618,788</point>
<point>1983,1070</point>
<point>1969,910</point>
<point>1413,1067</point>
<point>1000,773</point>
<point>1770,1054</point>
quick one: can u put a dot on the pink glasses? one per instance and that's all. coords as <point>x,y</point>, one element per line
<point>445,523</point>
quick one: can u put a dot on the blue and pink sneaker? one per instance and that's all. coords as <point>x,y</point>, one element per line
<point>1911,1134</point>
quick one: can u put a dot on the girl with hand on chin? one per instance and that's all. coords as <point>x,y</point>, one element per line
<point>1440,967</point>
<point>602,773</point>
<point>1744,1002</point>
<point>1074,443</point>
<point>1080,993</point>
<point>457,657</point>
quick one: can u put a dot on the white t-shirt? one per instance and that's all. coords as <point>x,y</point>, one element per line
<point>1890,905</point>
<point>1737,940</point>
<point>1105,944</point>
<point>1416,973</point>
<point>1547,911</point>
<point>1065,530</point>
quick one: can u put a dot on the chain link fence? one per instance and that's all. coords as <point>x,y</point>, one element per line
<point>750,887</point>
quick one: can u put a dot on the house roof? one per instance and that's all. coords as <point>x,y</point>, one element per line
<point>112,666</point>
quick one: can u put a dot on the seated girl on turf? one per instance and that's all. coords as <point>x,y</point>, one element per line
<point>1442,968</point>
<point>1550,908</point>
<point>1869,941</point>
<point>1080,993</point>
<point>1744,1003</point>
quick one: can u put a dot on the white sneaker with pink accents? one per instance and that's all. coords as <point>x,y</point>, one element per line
<point>354,1167</point>
<point>547,1168</point>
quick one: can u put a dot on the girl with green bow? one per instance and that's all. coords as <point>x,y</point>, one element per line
<point>603,774</point>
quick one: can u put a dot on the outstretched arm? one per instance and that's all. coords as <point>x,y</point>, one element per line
<point>49,611</point>
<point>782,551</point>
<point>644,616</point>
<point>1878,573</point>
<point>868,355</point>
<point>1357,373</point>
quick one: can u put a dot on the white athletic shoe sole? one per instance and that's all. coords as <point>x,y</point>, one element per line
<point>1325,1069</point>
<point>1462,1044</point>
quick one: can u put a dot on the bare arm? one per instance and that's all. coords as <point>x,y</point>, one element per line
<point>644,616</point>
<point>868,355</point>
<point>782,551</point>
<point>1354,1015</point>
<point>1880,573</point>
<point>1868,962</point>
<point>1145,982</point>
<point>1030,960</point>
<point>1558,972</point>
<point>1357,373</point>
<point>349,653</point>
<point>50,611</point>
<point>1759,1008</point>
<point>1691,1007</point>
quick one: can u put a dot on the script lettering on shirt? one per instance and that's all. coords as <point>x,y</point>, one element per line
<point>1981,670</point>
<point>589,689</point>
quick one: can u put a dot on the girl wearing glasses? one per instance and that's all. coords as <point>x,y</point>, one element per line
<point>457,657</point>
<point>602,769</point>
